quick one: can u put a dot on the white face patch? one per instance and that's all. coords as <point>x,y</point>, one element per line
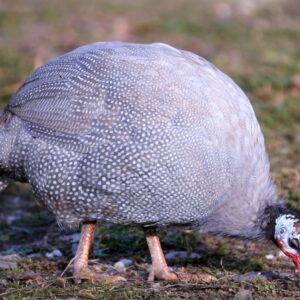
<point>285,231</point>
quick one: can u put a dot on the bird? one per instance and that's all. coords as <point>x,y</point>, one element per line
<point>145,135</point>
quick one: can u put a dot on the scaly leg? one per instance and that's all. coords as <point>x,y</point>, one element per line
<point>159,268</point>
<point>188,235</point>
<point>81,269</point>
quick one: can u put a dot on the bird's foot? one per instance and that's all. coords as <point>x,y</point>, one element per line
<point>166,275</point>
<point>89,275</point>
<point>192,277</point>
<point>163,274</point>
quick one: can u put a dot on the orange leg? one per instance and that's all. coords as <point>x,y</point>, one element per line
<point>188,240</point>
<point>159,268</point>
<point>81,269</point>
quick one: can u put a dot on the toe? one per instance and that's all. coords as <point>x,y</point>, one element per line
<point>112,279</point>
<point>163,275</point>
<point>169,276</point>
<point>191,277</point>
<point>89,275</point>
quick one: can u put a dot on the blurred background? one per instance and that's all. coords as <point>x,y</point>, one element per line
<point>256,42</point>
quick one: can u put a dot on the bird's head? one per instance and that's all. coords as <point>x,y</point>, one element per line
<point>287,237</point>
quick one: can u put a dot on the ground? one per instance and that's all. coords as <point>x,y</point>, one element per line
<point>257,44</point>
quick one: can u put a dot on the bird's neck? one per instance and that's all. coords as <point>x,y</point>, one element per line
<point>268,218</point>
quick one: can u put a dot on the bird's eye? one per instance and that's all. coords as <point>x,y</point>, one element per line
<point>282,230</point>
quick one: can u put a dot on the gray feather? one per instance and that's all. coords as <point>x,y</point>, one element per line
<point>142,134</point>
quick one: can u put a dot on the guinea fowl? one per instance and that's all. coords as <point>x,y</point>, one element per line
<point>143,135</point>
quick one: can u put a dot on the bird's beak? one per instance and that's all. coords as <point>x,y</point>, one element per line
<point>295,243</point>
<point>294,255</point>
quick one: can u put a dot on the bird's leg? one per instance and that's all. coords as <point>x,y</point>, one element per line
<point>82,254</point>
<point>81,269</point>
<point>159,268</point>
<point>188,235</point>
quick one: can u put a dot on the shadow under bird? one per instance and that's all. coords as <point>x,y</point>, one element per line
<point>144,135</point>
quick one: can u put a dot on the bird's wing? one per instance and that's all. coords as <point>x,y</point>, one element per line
<point>60,96</point>
<point>80,94</point>
<point>70,100</point>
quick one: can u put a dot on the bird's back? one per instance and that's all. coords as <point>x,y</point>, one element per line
<point>149,134</point>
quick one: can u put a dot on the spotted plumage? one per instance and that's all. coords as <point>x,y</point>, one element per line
<point>138,134</point>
